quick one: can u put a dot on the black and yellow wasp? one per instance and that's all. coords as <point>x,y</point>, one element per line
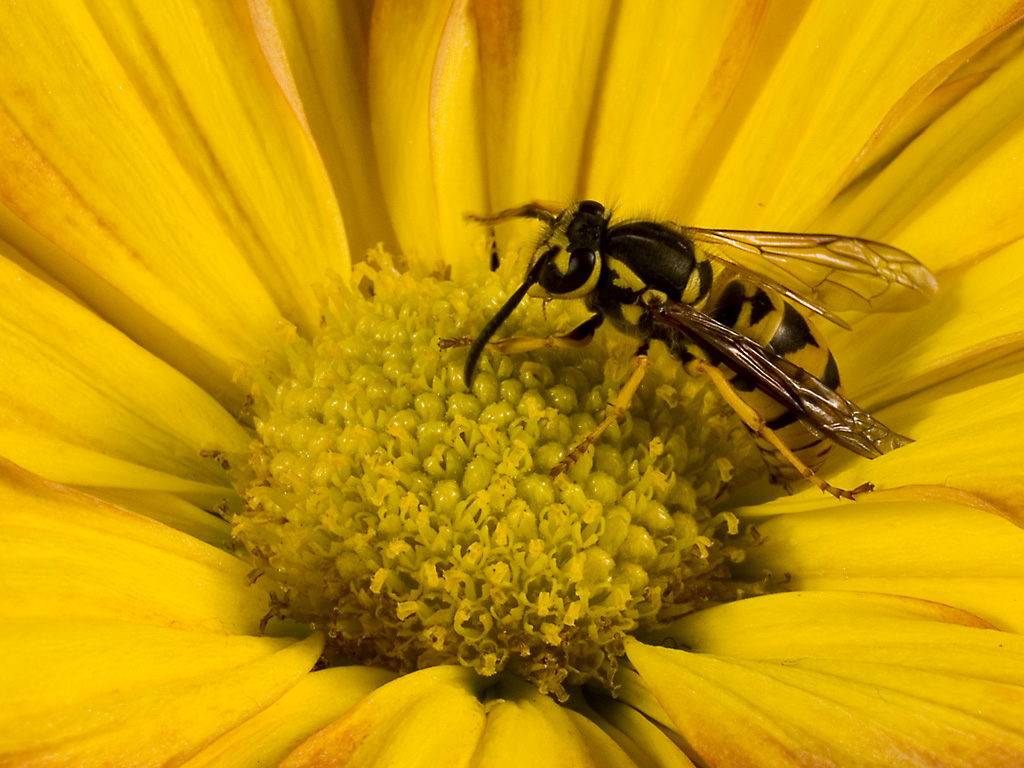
<point>731,305</point>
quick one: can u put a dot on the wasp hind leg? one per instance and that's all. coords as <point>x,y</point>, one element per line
<point>617,407</point>
<point>579,336</point>
<point>756,424</point>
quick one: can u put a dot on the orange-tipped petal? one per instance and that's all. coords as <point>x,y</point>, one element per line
<point>321,54</point>
<point>653,115</point>
<point>541,69</point>
<point>315,701</point>
<point>812,679</point>
<point>152,144</point>
<point>845,77</point>
<point>409,722</point>
<point>951,195</point>
<point>424,98</point>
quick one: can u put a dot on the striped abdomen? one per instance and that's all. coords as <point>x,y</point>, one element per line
<point>776,325</point>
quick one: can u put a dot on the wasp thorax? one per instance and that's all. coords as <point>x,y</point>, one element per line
<point>417,523</point>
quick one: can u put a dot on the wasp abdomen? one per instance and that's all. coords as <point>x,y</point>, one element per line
<point>782,330</point>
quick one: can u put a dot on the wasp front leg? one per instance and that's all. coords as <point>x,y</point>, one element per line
<point>544,211</point>
<point>641,362</point>
<point>756,424</point>
<point>541,210</point>
<point>578,337</point>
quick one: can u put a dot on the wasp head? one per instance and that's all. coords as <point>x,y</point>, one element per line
<point>569,253</point>
<point>566,265</point>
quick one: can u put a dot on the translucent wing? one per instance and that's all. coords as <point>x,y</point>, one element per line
<point>822,409</point>
<point>821,272</point>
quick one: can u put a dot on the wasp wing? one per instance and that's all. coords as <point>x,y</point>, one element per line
<point>821,272</point>
<point>820,408</point>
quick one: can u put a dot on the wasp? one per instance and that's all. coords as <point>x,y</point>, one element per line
<point>735,306</point>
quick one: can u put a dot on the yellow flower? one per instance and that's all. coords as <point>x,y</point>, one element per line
<point>183,184</point>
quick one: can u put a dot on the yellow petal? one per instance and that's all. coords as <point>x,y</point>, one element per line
<point>969,76</point>
<point>817,623</point>
<point>590,745</point>
<point>654,114</point>
<point>968,441</point>
<point>409,722</point>
<point>159,724</point>
<point>324,45</point>
<point>881,153</point>
<point>173,511</point>
<point>952,193</point>
<point>804,679</point>
<point>846,76</point>
<point>632,690</point>
<point>81,403</point>
<point>947,553</point>
<point>313,703</point>
<point>645,743</point>
<point>974,322</point>
<point>63,662</point>
<point>18,239</point>
<point>541,69</point>
<point>69,555</point>
<point>153,145</point>
<point>424,100</point>
<point>525,727</point>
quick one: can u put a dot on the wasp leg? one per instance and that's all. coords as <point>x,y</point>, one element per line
<point>579,336</point>
<point>641,362</point>
<point>755,423</point>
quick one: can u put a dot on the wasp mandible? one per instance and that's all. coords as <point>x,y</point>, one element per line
<point>732,305</point>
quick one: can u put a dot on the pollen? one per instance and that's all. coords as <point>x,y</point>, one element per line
<point>416,522</point>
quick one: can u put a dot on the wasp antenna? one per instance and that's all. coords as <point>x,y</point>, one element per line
<point>490,329</point>
<point>500,317</point>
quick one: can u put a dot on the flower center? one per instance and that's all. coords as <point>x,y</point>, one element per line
<point>417,523</point>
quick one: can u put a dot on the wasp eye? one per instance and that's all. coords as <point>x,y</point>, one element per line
<point>577,270</point>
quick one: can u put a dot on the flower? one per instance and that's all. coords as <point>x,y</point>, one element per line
<point>183,185</point>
